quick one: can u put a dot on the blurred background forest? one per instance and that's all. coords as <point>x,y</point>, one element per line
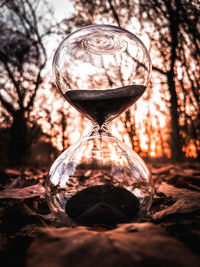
<point>37,124</point>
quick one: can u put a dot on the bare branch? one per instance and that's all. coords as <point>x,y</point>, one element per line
<point>115,15</point>
<point>7,105</point>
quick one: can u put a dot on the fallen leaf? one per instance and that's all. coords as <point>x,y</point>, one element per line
<point>22,193</point>
<point>162,170</point>
<point>177,193</point>
<point>136,244</point>
<point>187,201</point>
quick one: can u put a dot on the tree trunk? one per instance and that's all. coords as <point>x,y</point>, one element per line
<point>176,147</point>
<point>129,124</point>
<point>18,146</point>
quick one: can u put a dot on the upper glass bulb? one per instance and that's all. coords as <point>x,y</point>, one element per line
<point>106,58</point>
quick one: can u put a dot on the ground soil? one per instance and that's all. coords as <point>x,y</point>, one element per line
<point>168,236</point>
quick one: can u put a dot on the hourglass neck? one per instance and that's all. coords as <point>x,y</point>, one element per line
<point>100,129</point>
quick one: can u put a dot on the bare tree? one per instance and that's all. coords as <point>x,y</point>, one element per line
<point>22,59</point>
<point>177,28</point>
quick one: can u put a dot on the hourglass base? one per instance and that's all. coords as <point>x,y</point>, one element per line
<point>102,205</point>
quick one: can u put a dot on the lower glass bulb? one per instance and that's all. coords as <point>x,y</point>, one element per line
<point>99,181</point>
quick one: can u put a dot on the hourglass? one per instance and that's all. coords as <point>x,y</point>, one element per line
<point>101,71</point>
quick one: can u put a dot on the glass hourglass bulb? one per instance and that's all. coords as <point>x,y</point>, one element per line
<point>101,70</point>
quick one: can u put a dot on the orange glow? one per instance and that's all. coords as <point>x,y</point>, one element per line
<point>190,150</point>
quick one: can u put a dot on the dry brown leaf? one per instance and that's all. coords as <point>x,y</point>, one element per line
<point>187,201</point>
<point>22,193</point>
<point>137,244</point>
<point>162,170</point>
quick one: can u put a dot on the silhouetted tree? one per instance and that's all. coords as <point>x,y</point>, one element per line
<point>23,27</point>
<point>177,43</point>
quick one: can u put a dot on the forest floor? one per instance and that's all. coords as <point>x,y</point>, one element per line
<point>169,236</point>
